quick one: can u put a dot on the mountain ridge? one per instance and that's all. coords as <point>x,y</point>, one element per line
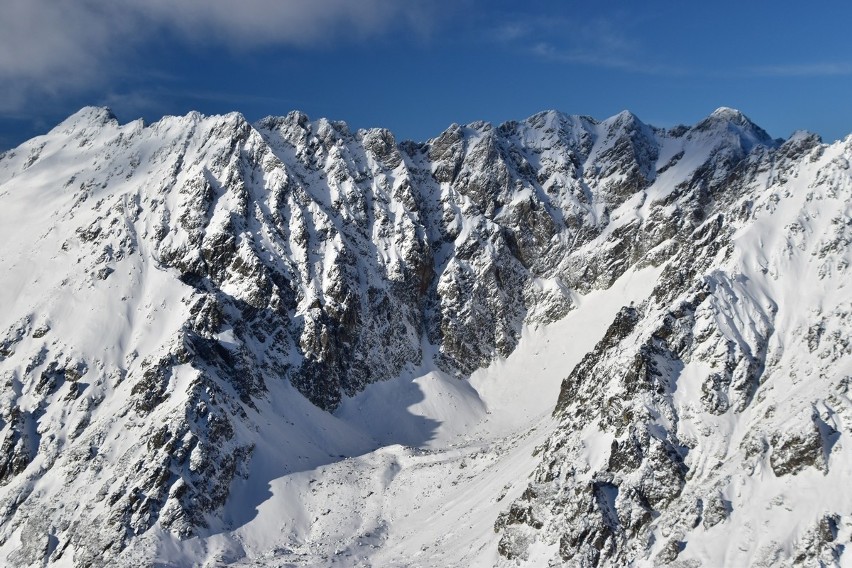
<point>236,265</point>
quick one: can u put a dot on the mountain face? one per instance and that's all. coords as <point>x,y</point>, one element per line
<point>204,320</point>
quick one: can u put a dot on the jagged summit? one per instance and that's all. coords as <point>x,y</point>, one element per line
<point>728,113</point>
<point>289,342</point>
<point>101,115</point>
<point>624,117</point>
<point>89,116</point>
<point>737,124</point>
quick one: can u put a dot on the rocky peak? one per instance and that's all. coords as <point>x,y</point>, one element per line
<point>736,125</point>
<point>799,143</point>
<point>92,116</point>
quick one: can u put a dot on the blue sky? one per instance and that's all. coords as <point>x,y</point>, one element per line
<point>415,66</point>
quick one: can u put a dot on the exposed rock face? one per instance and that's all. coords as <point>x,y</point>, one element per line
<point>710,384</point>
<point>229,261</point>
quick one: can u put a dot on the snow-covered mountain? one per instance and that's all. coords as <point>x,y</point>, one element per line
<point>551,341</point>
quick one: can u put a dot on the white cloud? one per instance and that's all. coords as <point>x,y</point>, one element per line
<point>53,46</point>
<point>46,46</point>
<point>295,22</point>
<point>605,59</point>
<point>601,42</point>
<point>826,69</point>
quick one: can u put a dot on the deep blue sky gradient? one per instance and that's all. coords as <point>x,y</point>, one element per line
<point>787,65</point>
